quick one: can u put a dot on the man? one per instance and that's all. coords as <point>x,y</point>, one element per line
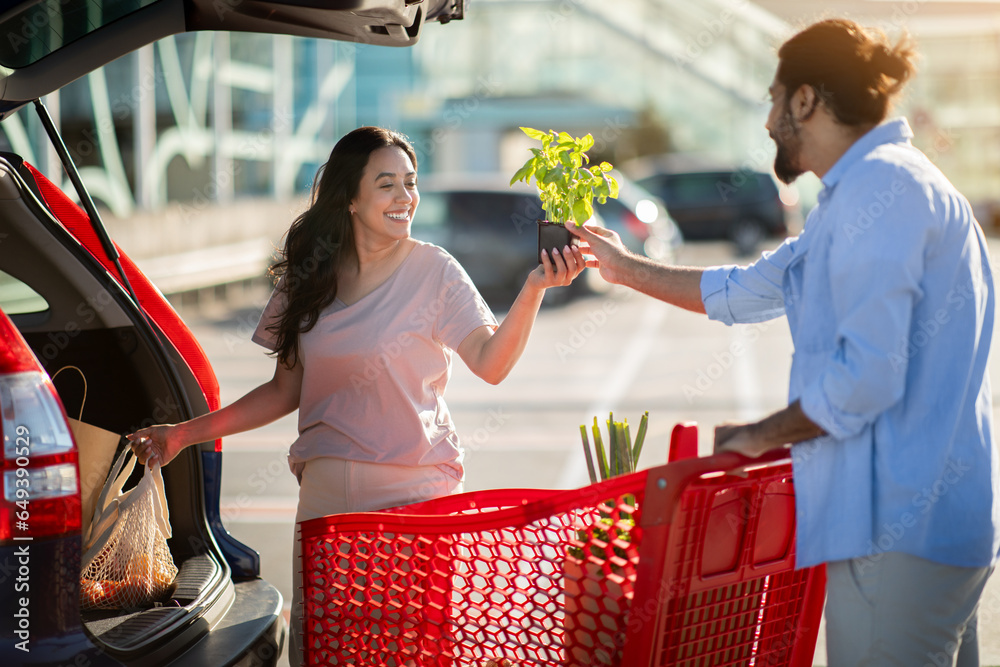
<point>889,297</point>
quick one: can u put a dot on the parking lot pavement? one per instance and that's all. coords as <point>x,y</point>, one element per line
<point>623,352</point>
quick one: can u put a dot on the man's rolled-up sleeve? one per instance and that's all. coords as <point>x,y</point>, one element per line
<point>733,294</point>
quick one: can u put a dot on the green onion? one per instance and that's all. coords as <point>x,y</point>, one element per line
<point>586,452</point>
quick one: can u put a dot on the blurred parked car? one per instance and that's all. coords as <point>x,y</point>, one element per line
<point>641,220</point>
<point>489,227</point>
<point>740,205</point>
<point>69,299</point>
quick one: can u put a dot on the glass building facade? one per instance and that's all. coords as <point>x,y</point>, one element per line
<point>215,117</point>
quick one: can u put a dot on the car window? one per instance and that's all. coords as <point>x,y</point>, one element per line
<point>432,211</point>
<point>45,27</point>
<point>765,183</point>
<point>479,209</point>
<point>494,210</point>
<point>16,298</point>
<point>716,187</point>
<point>527,210</point>
<point>747,183</point>
<point>694,188</point>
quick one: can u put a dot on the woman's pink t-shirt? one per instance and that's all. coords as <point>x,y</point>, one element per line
<point>374,372</point>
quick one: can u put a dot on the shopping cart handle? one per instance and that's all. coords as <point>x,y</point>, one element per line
<point>684,446</point>
<point>666,482</point>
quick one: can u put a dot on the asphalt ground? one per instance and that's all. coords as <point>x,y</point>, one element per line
<point>620,351</point>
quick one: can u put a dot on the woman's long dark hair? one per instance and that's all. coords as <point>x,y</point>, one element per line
<point>320,240</point>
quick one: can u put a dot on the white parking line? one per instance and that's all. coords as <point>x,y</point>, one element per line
<point>636,350</point>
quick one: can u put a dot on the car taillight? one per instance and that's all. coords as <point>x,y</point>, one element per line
<point>40,481</point>
<point>636,226</point>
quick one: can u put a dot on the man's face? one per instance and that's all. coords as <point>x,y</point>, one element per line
<point>781,126</point>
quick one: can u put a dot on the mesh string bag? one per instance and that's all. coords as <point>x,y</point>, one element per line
<point>126,561</point>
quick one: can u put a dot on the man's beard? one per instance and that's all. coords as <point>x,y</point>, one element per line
<point>789,144</point>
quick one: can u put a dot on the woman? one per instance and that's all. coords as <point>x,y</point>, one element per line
<point>363,323</point>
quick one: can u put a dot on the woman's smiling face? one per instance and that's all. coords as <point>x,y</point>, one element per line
<point>387,196</point>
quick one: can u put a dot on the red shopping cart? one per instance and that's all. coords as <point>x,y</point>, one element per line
<point>690,563</point>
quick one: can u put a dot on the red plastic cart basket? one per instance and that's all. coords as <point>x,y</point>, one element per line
<point>690,563</point>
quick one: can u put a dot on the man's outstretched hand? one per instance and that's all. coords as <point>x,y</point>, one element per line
<point>606,249</point>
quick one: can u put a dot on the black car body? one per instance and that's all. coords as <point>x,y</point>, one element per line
<point>641,220</point>
<point>737,204</point>
<point>69,298</point>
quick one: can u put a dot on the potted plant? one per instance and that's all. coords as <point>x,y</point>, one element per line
<point>599,572</point>
<point>567,187</point>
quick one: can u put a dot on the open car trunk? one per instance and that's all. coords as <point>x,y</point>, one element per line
<point>49,43</point>
<point>72,313</point>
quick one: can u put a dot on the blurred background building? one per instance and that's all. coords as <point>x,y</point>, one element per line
<point>227,131</point>
<point>953,104</point>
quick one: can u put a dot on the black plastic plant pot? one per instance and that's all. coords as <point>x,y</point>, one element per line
<point>553,235</point>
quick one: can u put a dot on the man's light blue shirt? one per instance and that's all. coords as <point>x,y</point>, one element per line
<point>890,301</point>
